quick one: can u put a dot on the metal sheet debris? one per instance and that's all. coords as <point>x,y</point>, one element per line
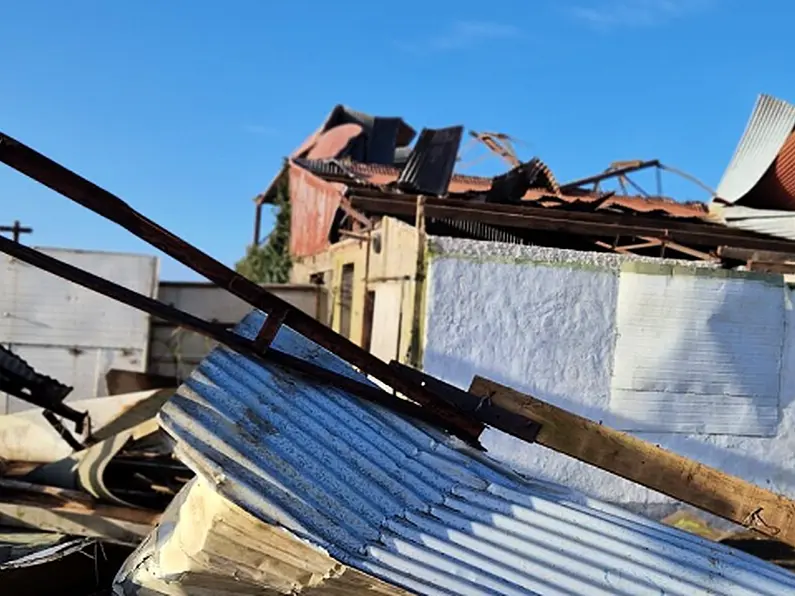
<point>406,504</point>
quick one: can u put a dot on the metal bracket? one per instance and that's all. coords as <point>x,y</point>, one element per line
<point>480,408</point>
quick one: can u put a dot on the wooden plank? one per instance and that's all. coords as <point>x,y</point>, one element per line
<point>622,454</point>
<point>765,256</point>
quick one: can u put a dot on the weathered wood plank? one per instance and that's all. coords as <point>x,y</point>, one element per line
<point>622,454</point>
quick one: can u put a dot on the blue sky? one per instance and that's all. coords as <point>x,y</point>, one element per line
<point>184,108</point>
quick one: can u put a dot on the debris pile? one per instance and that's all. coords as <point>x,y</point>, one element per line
<point>281,466</point>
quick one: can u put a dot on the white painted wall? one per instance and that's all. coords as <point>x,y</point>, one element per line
<point>543,321</point>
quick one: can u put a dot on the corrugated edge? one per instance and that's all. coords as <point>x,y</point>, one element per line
<point>772,222</point>
<point>771,122</point>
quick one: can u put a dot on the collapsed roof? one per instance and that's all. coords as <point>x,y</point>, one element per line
<point>357,168</point>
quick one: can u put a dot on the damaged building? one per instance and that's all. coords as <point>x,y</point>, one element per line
<point>487,335</point>
<point>622,306</point>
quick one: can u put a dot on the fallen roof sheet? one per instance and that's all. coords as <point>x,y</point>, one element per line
<point>773,222</point>
<point>406,504</point>
<point>762,171</point>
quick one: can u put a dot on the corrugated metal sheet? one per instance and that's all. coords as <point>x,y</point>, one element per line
<point>767,132</point>
<point>70,333</point>
<point>697,354</point>
<point>772,222</point>
<point>313,204</point>
<point>341,115</point>
<point>407,505</point>
<point>429,168</point>
<point>333,142</point>
<point>380,175</point>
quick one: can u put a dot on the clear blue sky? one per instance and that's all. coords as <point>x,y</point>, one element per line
<point>185,108</point>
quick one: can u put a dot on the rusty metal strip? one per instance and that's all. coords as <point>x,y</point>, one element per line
<point>269,330</point>
<point>228,338</point>
<point>55,176</point>
<point>611,173</point>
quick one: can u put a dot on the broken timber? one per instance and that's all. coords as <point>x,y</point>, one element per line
<point>62,180</point>
<point>622,454</point>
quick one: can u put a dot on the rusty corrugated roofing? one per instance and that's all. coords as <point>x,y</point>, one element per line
<point>599,201</point>
<point>382,176</point>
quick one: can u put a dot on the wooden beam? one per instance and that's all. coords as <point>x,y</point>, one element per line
<point>771,267</point>
<point>626,456</point>
<point>765,256</point>
<point>628,248</point>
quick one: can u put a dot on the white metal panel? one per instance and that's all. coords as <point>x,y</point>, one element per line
<point>698,353</point>
<point>387,319</point>
<point>41,309</point>
<point>71,333</point>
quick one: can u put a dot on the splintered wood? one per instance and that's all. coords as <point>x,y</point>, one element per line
<point>649,465</point>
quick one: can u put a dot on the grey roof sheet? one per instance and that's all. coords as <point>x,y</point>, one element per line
<point>770,124</point>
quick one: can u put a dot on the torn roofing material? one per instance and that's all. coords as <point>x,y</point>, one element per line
<point>761,173</point>
<point>405,504</point>
<point>431,163</point>
<point>341,115</point>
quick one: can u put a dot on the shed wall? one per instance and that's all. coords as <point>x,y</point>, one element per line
<point>71,333</point>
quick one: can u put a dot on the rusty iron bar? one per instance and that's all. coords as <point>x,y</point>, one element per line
<point>230,339</point>
<point>73,186</point>
<point>654,163</point>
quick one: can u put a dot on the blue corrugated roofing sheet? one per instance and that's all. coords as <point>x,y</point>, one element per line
<point>406,504</point>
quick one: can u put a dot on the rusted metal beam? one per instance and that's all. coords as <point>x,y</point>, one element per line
<point>228,338</point>
<point>514,424</point>
<point>611,173</point>
<point>704,256</point>
<point>55,176</point>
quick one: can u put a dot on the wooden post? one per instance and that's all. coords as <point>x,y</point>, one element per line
<point>415,343</point>
<point>622,454</point>
<point>16,230</point>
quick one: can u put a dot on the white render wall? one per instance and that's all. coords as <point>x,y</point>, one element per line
<point>544,321</point>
